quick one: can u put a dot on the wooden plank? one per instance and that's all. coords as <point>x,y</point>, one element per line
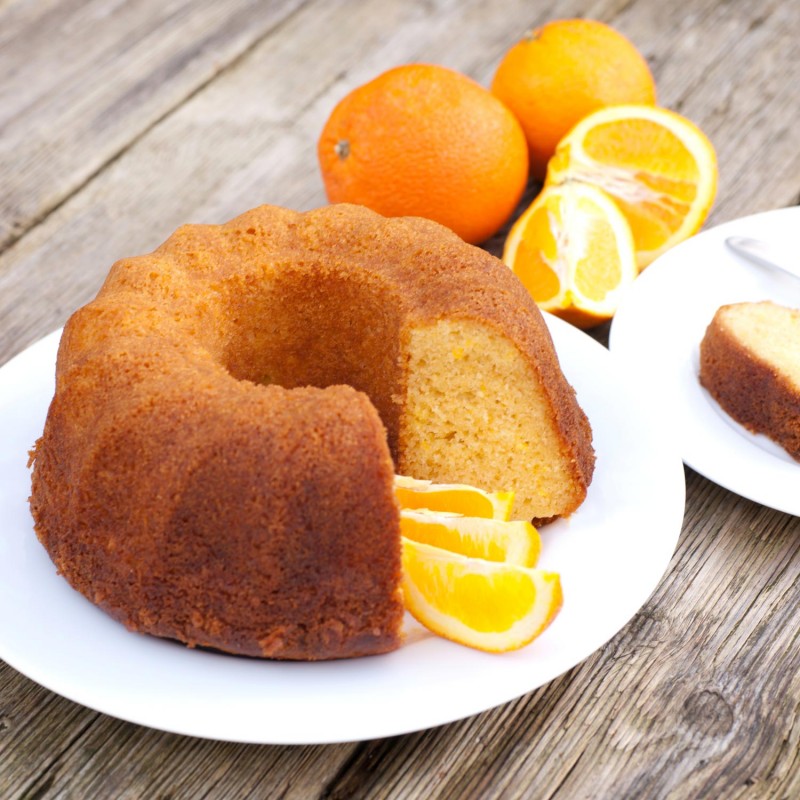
<point>124,761</point>
<point>35,727</point>
<point>80,81</point>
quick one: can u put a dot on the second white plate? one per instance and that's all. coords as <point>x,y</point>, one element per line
<point>656,334</point>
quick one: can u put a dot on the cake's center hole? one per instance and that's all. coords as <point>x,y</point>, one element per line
<point>318,327</point>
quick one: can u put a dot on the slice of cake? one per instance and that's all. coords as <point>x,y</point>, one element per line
<point>750,363</point>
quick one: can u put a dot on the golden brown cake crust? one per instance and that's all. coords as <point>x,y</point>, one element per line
<point>188,485</point>
<point>748,387</point>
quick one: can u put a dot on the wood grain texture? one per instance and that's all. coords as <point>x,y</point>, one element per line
<point>114,759</point>
<point>120,121</point>
<point>81,81</point>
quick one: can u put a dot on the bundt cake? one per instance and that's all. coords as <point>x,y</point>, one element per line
<point>217,463</point>
<point>750,364</point>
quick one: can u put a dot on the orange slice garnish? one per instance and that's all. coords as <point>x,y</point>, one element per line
<point>488,605</point>
<point>516,542</point>
<point>454,497</point>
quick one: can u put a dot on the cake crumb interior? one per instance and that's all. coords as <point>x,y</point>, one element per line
<point>469,392</point>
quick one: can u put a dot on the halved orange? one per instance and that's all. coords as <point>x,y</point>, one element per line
<point>573,251</point>
<point>659,167</point>
<point>516,542</point>
<point>455,497</point>
<point>488,605</point>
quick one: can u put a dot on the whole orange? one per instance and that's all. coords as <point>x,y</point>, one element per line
<point>423,140</point>
<point>563,71</point>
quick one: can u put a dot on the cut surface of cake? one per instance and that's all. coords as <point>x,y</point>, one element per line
<point>750,364</point>
<point>218,461</point>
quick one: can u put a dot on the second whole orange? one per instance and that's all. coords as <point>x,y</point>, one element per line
<point>563,71</point>
<point>424,140</point>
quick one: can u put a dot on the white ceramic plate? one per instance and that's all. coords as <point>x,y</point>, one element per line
<point>611,555</point>
<point>656,336</point>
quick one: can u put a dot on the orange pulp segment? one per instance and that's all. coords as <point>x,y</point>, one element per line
<point>573,251</point>
<point>488,605</point>
<point>455,497</point>
<point>659,167</point>
<point>516,542</point>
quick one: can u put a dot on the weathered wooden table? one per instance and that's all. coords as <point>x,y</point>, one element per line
<point>120,121</point>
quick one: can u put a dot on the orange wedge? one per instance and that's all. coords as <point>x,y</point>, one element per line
<point>573,251</point>
<point>455,497</point>
<point>515,542</point>
<point>659,167</point>
<point>488,605</point>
